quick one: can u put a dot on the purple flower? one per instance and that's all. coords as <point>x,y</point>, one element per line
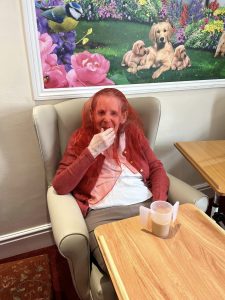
<point>65,46</point>
<point>174,10</point>
<point>196,11</point>
<point>48,3</point>
<point>42,24</point>
<point>57,40</point>
<point>180,35</point>
<point>109,11</point>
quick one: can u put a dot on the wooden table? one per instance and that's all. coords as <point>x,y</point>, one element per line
<point>189,264</point>
<point>208,157</point>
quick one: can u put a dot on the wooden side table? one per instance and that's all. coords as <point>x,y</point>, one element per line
<point>189,264</point>
<point>208,158</point>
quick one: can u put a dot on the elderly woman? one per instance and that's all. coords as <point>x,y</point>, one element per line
<point>109,166</point>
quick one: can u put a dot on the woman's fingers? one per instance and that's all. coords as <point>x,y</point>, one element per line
<point>102,141</point>
<point>108,136</point>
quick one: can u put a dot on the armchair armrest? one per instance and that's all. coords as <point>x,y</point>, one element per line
<point>184,193</point>
<point>71,237</point>
<point>66,217</point>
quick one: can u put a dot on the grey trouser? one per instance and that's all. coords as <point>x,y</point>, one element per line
<point>106,215</point>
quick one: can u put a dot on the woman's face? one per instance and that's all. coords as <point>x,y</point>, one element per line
<point>108,114</point>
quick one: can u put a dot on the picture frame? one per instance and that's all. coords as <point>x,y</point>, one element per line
<point>42,93</point>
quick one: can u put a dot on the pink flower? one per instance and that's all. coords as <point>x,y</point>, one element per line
<point>46,48</point>
<point>48,61</point>
<point>88,70</point>
<point>55,77</point>
<point>46,44</point>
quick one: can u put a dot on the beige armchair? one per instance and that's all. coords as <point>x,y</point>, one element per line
<point>54,124</point>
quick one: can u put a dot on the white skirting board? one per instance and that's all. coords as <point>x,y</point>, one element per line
<point>26,240</point>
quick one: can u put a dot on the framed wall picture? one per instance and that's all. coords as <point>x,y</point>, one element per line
<point>141,46</point>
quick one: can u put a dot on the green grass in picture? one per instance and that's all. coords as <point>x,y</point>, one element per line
<point>113,38</point>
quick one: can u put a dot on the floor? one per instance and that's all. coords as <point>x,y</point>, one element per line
<point>61,279</point>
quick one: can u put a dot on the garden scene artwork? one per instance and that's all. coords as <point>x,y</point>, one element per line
<point>123,42</point>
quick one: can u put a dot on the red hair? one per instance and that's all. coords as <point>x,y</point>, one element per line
<point>132,126</point>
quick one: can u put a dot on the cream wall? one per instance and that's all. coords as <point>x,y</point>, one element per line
<point>22,197</point>
<point>186,115</point>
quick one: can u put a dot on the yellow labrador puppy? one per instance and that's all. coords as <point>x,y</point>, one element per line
<point>149,60</point>
<point>135,57</point>
<point>160,34</point>
<point>181,60</point>
<point>220,50</point>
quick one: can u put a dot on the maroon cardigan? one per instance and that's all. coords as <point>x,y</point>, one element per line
<point>77,174</point>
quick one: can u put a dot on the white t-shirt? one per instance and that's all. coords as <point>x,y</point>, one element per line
<point>128,189</point>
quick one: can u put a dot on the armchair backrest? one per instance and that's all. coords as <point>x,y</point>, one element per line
<point>55,123</point>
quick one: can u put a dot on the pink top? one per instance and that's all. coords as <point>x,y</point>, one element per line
<point>110,173</point>
<point>78,172</point>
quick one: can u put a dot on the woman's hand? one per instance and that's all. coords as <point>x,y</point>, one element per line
<point>101,141</point>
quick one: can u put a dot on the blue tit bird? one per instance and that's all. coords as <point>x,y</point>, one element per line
<point>62,18</point>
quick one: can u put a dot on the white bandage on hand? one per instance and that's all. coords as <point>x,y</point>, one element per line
<point>101,141</point>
